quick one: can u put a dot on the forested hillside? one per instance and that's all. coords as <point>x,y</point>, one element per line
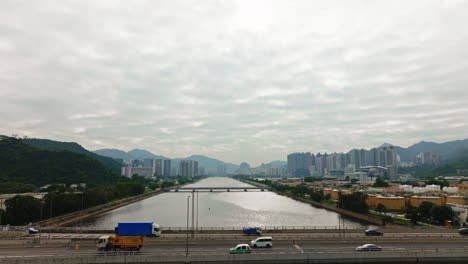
<point>46,144</point>
<point>23,163</point>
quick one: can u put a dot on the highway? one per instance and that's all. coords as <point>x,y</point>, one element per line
<point>219,244</point>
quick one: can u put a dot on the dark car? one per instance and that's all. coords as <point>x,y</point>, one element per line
<point>463,231</point>
<point>372,232</point>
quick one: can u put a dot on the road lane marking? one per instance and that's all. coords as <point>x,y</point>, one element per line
<point>298,247</point>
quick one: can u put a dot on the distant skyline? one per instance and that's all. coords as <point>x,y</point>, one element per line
<point>234,80</point>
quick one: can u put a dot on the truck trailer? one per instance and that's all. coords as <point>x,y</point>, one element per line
<point>116,242</point>
<point>150,229</point>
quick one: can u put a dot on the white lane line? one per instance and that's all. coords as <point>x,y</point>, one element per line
<point>298,247</point>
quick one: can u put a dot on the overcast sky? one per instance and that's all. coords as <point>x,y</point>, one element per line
<point>234,80</point>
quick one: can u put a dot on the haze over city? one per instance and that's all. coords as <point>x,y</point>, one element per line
<point>234,80</point>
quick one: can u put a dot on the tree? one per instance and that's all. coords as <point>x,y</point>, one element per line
<point>381,208</point>
<point>355,202</point>
<point>432,180</point>
<point>380,183</point>
<point>412,213</point>
<point>310,179</point>
<point>167,184</point>
<point>316,195</point>
<point>424,210</point>
<point>22,209</point>
<point>300,190</point>
<point>442,213</point>
<point>354,180</point>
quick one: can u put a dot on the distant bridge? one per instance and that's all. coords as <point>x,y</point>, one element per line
<point>219,189</point>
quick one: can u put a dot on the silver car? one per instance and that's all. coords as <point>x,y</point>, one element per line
<point>369,247</point>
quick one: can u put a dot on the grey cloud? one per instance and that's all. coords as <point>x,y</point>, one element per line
<point>221,78</point>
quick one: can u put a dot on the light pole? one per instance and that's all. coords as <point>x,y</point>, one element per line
<point>51,203</point>
<point>51,207</point>
<point>188,212</point>
<point>81,212</point>
<point>1,210</point>
<point>40,220</point>
<point>193,214</point>
<point>197,209</point>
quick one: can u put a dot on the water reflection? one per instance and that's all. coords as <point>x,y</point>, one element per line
<point>222,209</point>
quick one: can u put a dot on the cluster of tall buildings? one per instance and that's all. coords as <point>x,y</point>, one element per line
<point>162,167</point>
<point>148,168</point>
<point>428,158</point>
<point>336,164</point>
<point>188,168</point>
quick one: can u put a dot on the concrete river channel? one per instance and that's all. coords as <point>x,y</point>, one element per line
<point>222,209</point>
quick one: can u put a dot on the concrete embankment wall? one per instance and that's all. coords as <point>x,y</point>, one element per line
<point>355,257</point>
<point>361,217</point>
<point>75,217</point>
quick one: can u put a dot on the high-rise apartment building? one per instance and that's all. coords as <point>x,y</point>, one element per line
<point>130,171</point>
<point>167,168</point>
<point>386,157</point>
<point>188,168</point>
<point>428,158</point>
<point>221,170</point>
<point>299,163</point>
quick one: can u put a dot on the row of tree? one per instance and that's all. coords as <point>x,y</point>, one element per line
<point>431,213</point>
<point>23,209</point>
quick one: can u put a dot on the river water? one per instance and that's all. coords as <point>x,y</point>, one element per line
<point>221,209</point>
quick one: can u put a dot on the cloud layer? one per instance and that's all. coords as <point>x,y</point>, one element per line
<point>236,80</point>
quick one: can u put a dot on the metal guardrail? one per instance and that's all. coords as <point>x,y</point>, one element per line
<point>239,228</point>
<point>215,252</point>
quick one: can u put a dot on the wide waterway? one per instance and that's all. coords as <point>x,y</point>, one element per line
<point>221,209</point>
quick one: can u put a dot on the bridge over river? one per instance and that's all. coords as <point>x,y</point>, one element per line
<point>221,208</point>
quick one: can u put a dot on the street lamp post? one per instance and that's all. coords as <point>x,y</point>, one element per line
<point>40,220</point>
<point>193,214</point>
<point>1,208</point>
<point>188,212</point>
<point>81,212</point>
<point>51,207</point>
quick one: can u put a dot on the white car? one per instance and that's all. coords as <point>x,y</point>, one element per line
<point>31,230</point>
<point>369,247</point>
<point>262,242</point>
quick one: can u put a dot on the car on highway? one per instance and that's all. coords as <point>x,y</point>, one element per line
<point>240,249</point>
<point>262,242</point>
<point>463,231</point>
<point>369,247</point>
<point>372,232</point>
<point>31,230</point>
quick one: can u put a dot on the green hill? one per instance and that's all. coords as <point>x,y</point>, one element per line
<point>23,163</point>
<point>46,144</point>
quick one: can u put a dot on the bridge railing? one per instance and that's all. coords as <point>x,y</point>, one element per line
<point>88,229</point>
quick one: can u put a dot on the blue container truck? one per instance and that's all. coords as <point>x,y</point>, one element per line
<point>138,229</point>
<point>252,230</point>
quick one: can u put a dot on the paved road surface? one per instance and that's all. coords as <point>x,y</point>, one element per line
<point>221,247</point>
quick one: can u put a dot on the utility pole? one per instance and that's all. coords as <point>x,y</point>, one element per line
<point>1,208</point>
<point>51,203</point>
<point>51,206</point>
<point>40,231</point>
<point>81,212</point>
<point>197,209</point>
<point>188,212</point>
<point>193,214</point>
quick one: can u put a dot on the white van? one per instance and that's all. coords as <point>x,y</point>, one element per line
<point>262,242</point>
